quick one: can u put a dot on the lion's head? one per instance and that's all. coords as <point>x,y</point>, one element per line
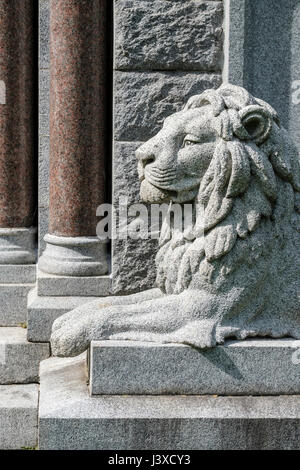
<point>227,152</point>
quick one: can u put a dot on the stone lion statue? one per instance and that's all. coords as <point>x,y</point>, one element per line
<point>236,272</point>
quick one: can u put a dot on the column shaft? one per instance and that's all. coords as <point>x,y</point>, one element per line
<point>17,130</point>
<point>79,127</point>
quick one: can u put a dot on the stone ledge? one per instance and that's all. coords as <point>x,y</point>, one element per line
<point>64,286</point>
<point>13,303</point>
<point>70,419</point>
<point>42,311</point>
<point>18,416</point>
<point>249,367</point>
<point>20,360</point>
<point>17,273</point>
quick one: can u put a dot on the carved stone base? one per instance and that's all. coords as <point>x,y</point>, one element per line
<point>17,245</point>
<point>250,367</point>
<point>70,419</point>
<point>78,256</point>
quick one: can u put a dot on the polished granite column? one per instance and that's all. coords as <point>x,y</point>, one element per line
<point>79,100</point>
<point>17,127</point>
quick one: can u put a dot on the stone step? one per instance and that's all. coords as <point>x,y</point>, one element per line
<point>17,273</point>
<point>18,416</point>
<point>70,419</point>
<point>42,311</point>
<point>16,281</point>
<point>251,367</point>
<point>13,303</point>
<point>19,359</point>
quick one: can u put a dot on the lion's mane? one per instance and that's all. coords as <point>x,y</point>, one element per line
<point>248,202</point>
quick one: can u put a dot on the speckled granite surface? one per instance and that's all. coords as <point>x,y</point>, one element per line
<point>78,123</point>
<point>17,75</point>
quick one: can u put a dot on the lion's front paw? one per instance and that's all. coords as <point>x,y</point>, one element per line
<point>69,340</point>
<point>200,334</point>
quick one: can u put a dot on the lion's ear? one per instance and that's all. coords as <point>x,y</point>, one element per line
<point>257,121</point>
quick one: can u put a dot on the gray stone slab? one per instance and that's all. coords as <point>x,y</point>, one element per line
<point>44,80</point>
<point>44,94</point>
<point>153,35</point>
<point>52,285</point>
<point>44,21</point>
<point>42,311</point>
<point>19,359</point>
<point>13,303</point>
<point>18,416</point>
<point>144,99</point>
<point>43,228</point>
<point>249,367</point>
<point>125,174</point>
<point>69,419</point>
<point>133,266</point>
<point>44,152</point>
<point>17,273</point>
<point>44,124</point>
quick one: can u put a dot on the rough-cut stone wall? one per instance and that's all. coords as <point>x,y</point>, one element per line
<point>165,51</point>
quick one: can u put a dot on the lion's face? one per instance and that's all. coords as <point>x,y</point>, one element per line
<point>173,163</point>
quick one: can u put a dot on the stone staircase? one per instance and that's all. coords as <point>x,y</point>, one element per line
<point>19,361</point>
<point>19,388</point>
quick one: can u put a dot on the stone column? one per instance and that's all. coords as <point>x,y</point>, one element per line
<point>78,136</point>
<point>17,127</point>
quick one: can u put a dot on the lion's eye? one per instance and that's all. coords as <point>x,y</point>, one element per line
<point>189,143</point>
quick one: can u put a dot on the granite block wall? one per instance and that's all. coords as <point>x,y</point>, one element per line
<point>164,52</point>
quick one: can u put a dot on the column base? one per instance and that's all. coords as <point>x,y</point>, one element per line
<point>17,245</point>
<point>74,256</point>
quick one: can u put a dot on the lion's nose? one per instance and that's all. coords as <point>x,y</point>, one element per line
<point>145,156</point>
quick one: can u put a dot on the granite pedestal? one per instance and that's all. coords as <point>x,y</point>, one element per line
<point>69,418</point>
<point>250,367</point>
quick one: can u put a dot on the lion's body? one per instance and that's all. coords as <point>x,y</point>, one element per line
<point>237,272</point>
<point>249,260</point>
<point>255,286</point>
